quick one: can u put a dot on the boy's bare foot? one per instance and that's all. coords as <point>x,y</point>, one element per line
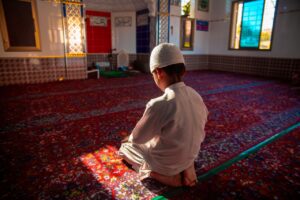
<point>174,181</point>
<point>189,176</point>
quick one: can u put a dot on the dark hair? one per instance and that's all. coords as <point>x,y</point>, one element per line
<point>175,69</point>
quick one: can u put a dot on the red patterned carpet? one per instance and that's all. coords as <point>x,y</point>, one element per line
<point>271,173</point>
<point>59,140</point>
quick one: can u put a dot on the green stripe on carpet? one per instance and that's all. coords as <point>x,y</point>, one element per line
<point>228,163</point>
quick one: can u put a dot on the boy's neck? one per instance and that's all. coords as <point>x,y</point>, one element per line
<point>170,81</point>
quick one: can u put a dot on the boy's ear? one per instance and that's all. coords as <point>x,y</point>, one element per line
<point>160,73</point>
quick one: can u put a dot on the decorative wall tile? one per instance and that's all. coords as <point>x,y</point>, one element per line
<point>213,59</point>
<point>193,62</point>
<point>163,21</point>
<point>77,74</point>
<point>295,66</point>
<point>132,57</point>
<point>203,58</point>
<point>13,78</point>
<point>73,27</point>
<point>39,70</point>
<point>93,58</point>
<point>262,66</point>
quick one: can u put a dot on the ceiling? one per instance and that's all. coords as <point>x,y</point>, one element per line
<point>118,5</point>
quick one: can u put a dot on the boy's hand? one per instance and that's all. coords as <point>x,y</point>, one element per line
<point>125,139</point>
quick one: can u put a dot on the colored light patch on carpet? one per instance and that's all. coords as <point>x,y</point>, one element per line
<point>105,164</point>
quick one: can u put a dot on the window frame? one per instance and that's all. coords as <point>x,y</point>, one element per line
<point>231,28</point>
<point>4,31</point>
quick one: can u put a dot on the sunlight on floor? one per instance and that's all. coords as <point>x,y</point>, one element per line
<point>105,164</point>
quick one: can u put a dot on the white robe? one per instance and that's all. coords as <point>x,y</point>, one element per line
<point>168,137</point>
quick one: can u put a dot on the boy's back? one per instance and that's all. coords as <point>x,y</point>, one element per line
<point>167,139</point>
<point>179,117</point>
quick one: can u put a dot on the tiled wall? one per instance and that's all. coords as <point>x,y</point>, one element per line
<point>143,58</point>
<point>194,62</point>
<point>76,68</point>
<point>39,70</point>
<point>269,67</point>
<point>93,58</point>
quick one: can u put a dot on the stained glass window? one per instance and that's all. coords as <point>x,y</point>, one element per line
<point>252,24</point>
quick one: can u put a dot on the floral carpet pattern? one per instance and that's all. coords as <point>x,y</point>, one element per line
<point>60,140</point>
<point>271,173</point>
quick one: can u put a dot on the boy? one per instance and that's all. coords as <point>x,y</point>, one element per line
<point>167,139</point>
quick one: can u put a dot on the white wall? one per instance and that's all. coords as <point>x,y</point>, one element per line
<point>174,35</point>
<point>51,32</point>
<point>201,38</point>
<point>286,41</point>
<point>124,37</point>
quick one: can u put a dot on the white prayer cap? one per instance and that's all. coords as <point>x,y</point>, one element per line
<point>165,54</point>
